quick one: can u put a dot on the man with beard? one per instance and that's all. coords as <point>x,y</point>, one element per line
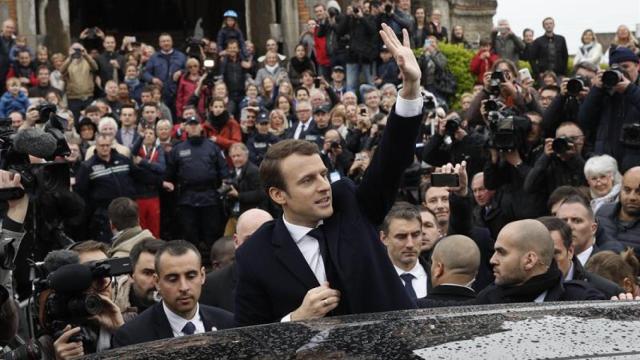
<point>220,127</point>
<point>197,166</point>
<point>136,292</point>
<point>525,270</point>
<point>621,220</point>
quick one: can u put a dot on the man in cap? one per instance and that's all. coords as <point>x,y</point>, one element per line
<point>262,139</point>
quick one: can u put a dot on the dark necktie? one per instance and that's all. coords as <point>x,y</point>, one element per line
<point>317,234</point>
<point>189,328</point>
<point>330,271</point>
<point>407,278</point>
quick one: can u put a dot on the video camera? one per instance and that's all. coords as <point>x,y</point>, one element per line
<point>48,144</point>
<point>209,66</point>
<point>576,84</point>
<point>64,299</point>
<point>631,135</point>
<point>506,131</point>
<point>497,77</point>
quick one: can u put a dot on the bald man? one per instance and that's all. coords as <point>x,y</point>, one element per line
<point>621,220</point>
<point>525,271</point>
<point>454,266</point>
<point>220,285</point>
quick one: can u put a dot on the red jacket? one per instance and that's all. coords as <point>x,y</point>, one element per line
<point>186,88</point>
<point>227,136</point>
<point>33,79</point>
<point>320,46</point>
<point>480,66</point>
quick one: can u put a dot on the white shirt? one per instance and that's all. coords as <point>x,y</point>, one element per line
<point>296,135</point>
<point>570,273</point>
<point>309,247</point>
<point>419,281</point>
<point>540,297</point>
<point>584,256</point>
<point>177,322</point>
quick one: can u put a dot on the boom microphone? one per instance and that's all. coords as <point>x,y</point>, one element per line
<point>59,258</point>
<point>71,278</point>
<point>35,142</point>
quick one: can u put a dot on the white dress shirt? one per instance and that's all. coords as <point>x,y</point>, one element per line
<point>309,247</point>
<point>584,256</point>
<point>419,281</point>
<point>299,130</point>
<point>177,322</point>
<point>540,298</point>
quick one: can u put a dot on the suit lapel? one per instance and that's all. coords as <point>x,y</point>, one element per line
<point>287,252</point>
<point>163,328</point>
<point>206,321</point>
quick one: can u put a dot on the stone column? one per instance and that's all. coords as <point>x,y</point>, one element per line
<point>26,19</point>
<point>260,15</point>
<point>290,25</point>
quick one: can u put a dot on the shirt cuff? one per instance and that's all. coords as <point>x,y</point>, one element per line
<point>286,318</point>
<point>409,108</point>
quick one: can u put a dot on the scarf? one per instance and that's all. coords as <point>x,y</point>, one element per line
<point>584,49</point>
<point>132,83</point>
<point>300,65</point>
<point>218,122</point>
<point>531,289</point>
<point>271,69</point>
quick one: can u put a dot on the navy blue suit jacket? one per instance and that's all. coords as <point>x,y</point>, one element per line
<point>133,141</point>
<point>152,324</point>
<point>273,276</point>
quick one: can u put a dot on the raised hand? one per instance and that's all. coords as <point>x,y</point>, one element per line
<point>406,61</point>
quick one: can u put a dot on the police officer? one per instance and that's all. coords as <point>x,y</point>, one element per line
<point>104,177</point>
<point>259,143</point>
<point>196,167</point>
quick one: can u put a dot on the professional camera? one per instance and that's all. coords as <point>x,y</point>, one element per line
<point>507,132</point>
<point>452,125</point>
<point>66,301</point>
<point>631,135</point>
<point>613,76</point>
<point>77,53</point>
<point>561,145</point>
<point>576,84</point>
<point>388,9</point>
<point>30,350</point>
<point>492,105</point>
<point>193,47</point>
<point>224,189</point>
<point>333,12</point>
<point>209,66</point>
<point>429,101</point>
<point>497,77</point>
<point>356,10</point>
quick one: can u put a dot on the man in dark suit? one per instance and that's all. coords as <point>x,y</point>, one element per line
<point>324,256</point>
<point>246,192</point>
<point>454,266</point>
<point>179,278</point>
<point>401,233</point>
<point>305,124</point>
<point>220,285</point>
<point>127,135</point>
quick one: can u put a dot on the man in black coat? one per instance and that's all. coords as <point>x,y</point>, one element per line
<point>324,256</point>
<point>220,287</point>
<point>246,192</point>
<point>571,268</point>
<point>549,51</point>
<point>454,266</point>
<point>526,271</point>
<point>180,276</point>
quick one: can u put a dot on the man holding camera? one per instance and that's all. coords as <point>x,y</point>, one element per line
<point>611,112</point>
<point>363,45</point>
<point>110,61</point>
<point>561,163</point>
<point>78,71</point>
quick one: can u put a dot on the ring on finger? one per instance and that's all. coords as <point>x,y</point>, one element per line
<point>324,302</point>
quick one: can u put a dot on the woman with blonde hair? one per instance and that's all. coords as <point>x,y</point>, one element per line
<point>278,123</point>
<point>625,38</point>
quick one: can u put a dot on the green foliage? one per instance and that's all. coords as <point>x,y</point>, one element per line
<point>458,60</point>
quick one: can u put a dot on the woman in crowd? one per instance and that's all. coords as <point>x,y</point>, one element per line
<point>252,97</point>
<point>625,38</point>
<point>338,120</point>
<point>268,92</point>
<point>604,180</point>
<point>623,269</point>
<point>221,127</point>
<point>285,88</point>
<point>590,51</point>
<point>272,69</point>
<point>55,78</point>
<point>298,64</point>
<point>457,37</point>
<point>283,103</point>
<point>420,28</point>
<point>132,80</point>
<point>278,123</point>
<point>187,84</point>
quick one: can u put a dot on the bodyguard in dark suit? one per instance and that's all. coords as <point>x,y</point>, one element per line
<point>180,276</point>
<point>324,255</point>
<point>220,286</point>
<point>454,267</point>
<point>246,192</point>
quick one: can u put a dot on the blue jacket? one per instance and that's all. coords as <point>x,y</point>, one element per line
<point>225,34</point>
<point>197,166</point>
<point>163,66</point>
<point>9,103</point>
<point>258,145</point>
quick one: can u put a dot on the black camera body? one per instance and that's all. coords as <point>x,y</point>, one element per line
<point>333,12</point>
<point>613,76</point>
<point>630,135</point>
<point>497,77</point>
<point>429,102</point>
<point>507,132</point>
<point>452,125</point>
<point>224,189</point>
<point>576,84</point>
<point>561,145</point>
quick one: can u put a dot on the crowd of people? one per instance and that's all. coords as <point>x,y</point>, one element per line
<point>333,181</point>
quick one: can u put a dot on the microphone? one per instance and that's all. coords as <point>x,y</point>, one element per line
<point>70,279</point>
<point>35,142</point>
<point>59,258</point>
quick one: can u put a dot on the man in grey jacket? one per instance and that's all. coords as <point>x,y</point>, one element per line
<point>505,43</point>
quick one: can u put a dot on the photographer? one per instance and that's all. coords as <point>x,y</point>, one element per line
<point>573,92</point>
<point>432,63</point>
<point>245,190</point>
<point>561,163</point>
<point>335,156</point>
<point>503,90</point>
<point>397,17</point>
<point>78,71</point>
<point>95,330</point>
<point>452,143</point>
<point>612,109</point>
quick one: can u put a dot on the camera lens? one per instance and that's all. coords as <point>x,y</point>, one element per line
<point>574,86</point>
<point>611,78</point>
<point>560,145</point>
